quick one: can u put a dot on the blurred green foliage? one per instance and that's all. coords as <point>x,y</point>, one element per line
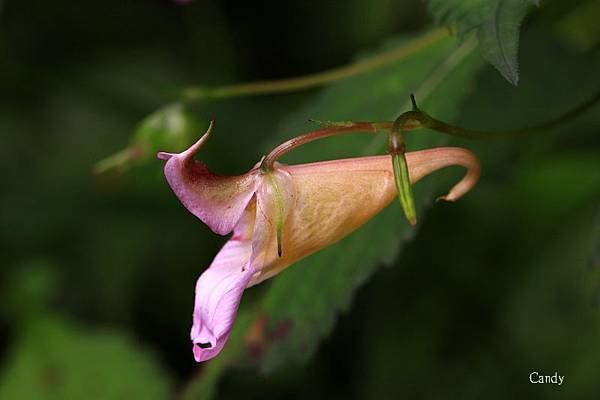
<point>171,126</point>
<point>55,360</point>
<point>98,271</point>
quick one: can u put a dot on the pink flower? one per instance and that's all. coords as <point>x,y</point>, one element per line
<point>281,215</point>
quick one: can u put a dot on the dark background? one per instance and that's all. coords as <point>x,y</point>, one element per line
<point>98,272</point>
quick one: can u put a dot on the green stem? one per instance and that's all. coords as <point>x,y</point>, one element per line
<point>197,93</point>
<point>429,122</point>
<point>411,120</point>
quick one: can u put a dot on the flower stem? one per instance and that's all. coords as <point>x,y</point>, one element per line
<point>199,93</point>
<point>333,129</point>
<point>429,122</point>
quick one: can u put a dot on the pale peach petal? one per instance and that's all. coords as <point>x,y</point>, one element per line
<point>334,198</point>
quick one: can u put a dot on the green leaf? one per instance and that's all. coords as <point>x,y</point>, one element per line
<point>54,359</point>
<point>28,290</point>
<point>499,37</point>
<point>497,23</point>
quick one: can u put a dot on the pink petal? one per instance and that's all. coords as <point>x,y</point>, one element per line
<point>218,201</point>
<point>220,287</point>
<point>218,293</point>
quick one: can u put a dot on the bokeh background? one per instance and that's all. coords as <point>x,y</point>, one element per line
<point>98,270</point>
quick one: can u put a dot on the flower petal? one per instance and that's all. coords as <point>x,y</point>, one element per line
<point>218,201</point>
<point>218,293</point>
<point>275,200</point>
<point>220,287</point>
<point>331,199</point>
<point>424,162</point>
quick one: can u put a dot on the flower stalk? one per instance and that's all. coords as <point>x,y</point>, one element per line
<point>202,93</point>
<point>334,129</point>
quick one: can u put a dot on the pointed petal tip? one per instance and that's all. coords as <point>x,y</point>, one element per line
<point>162,155</point>
<point>193,149</point>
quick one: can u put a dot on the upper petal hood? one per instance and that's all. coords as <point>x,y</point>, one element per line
<point>218,201</point>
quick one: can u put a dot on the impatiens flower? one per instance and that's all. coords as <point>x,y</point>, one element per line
<point>281,214</point>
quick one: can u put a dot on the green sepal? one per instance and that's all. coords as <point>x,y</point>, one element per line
<point>279,210</point>
<point>403,187</point>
